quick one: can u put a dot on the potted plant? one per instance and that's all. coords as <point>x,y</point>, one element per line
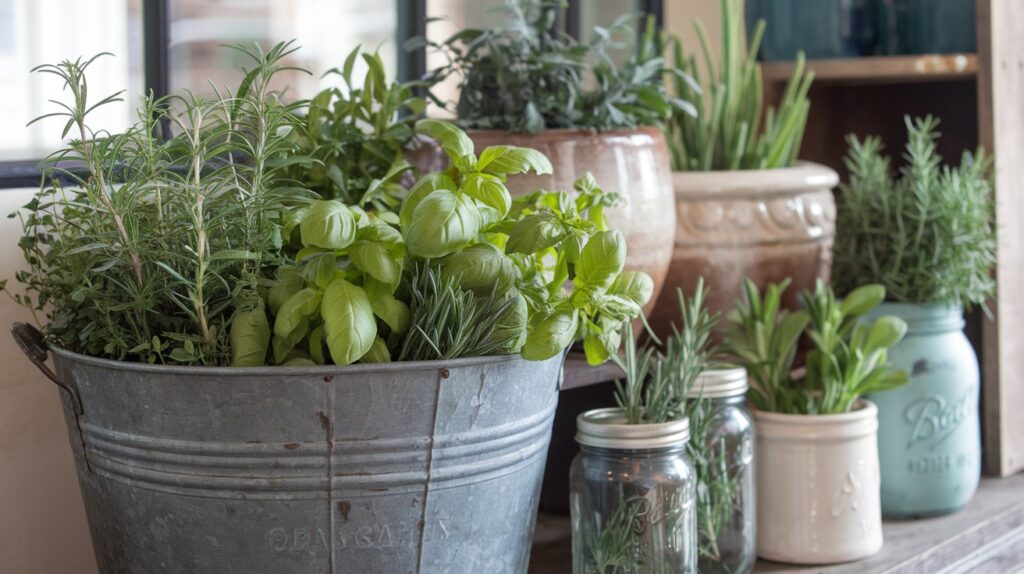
<point>525,83</point>
<point>633,487</point>
<point>817,469</point>
<point>745,208</point>
<point>927,236</point>
<point>261,376</point>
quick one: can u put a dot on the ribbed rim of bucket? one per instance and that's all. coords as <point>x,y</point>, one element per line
<point>318,370</point>
<point>607,428</point>
<point>719,383</point>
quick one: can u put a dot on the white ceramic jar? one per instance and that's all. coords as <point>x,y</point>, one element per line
<point>818,486</point>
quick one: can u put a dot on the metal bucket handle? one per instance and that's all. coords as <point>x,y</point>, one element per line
<point>34,346</point>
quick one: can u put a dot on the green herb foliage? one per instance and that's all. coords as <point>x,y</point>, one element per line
<point>350,141</point>
<point>927,236</point>
<point>656,382</point>
<point>151,249</point>
<point>526,76</point>
<point>849,357</point>
<point>727,131</point>
<point>487,276</point>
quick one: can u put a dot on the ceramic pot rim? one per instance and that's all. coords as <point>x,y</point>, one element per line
<point>859,422</point>
<point>800,178</point>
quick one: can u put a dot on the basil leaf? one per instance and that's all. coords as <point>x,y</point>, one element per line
<point>376,261</point>
<point>328,224</point>
<point>283,345</point>
<point>487,189</point>
<point>348,322</point>
<point>442,223</point>
<point>297,308</point>
<point>482,267</point>
<point>550,335</point>
<point>250,337</point>
<point>507,160</point>
<point>601,261</point>
<point>510,326</point>
<point>378,353</point>
<point>453,141</point>
<point>594,349</point>
<point>381,233</point>
<point>635,285</point>
<point>316,345</point>
<point>535,233</point>
<point>393,312</point>
<point>289,282</point>
<point>424,187</point>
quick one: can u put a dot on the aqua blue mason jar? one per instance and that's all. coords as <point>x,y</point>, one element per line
<point>929,438</point>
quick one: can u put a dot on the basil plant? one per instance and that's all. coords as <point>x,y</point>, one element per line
<point>346,296</point>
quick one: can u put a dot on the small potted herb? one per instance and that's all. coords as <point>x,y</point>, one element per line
<point>927,235</point>
<point>525,83</point>
<point>260,334</point>
<point>633,486</point>
<point>745,207</point>
<point>817,465</point>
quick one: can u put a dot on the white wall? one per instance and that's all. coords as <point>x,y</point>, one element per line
<point>42,522</point>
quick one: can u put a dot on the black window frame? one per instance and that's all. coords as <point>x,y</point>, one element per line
<point>156,70</point>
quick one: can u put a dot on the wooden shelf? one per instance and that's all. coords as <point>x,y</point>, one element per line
<point>987,537</point>
<point>881,69</point>
<point>579,374</point>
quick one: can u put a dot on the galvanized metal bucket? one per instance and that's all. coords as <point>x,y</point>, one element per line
<point>386,468</point>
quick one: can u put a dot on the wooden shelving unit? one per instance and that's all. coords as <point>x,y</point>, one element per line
<point>882,69</point>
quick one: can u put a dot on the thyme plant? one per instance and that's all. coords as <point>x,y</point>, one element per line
<point>926,235</point>
<point>142,245</point>
<point>727,130</point>
<point>524,75</point>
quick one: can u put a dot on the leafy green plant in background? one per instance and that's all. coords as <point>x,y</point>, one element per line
<point>150,250</point>
<point>927,236</point>
<point>728,130</point>
<point>849,357</point>
<point>350,141</point>
<point>526,76</point>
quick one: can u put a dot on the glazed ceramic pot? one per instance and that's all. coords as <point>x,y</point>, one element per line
<point>926,26</point>
<point>929,432</point>
<point>818,486</point>
<point>633,163</point>
<point>763,224</point>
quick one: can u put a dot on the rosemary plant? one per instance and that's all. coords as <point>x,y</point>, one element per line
<point>526,76</point>
<point>727,131</point>
<point>927,236</point>
<point>145,247</point>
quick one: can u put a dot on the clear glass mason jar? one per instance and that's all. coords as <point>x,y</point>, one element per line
<point>632,491</point>
<point>726,505</point>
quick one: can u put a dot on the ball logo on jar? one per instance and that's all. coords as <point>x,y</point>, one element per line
<point>933,419</point>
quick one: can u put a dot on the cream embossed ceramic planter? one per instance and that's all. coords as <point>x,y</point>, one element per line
<point>763,224</point>
<point>818,486</point>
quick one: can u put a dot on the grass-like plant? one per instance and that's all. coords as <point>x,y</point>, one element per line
<point>727,131</point>
<point>849,355</point>
<point>926,235</point>
<point>524,75</point>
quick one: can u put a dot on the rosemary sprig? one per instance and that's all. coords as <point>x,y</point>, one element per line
<point>926,236</point>
<point>449,321</point>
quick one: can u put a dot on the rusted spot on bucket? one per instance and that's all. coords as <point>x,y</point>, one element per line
<point>344,507</point>
<point>291,445</point>
<point>445,374</point>
<point>328,378</point>
<point>325,422</point>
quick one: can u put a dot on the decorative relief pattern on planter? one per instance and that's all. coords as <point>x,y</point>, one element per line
<point>765,225</point>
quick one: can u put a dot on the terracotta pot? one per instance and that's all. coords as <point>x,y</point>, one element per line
<point>818,486</point>
<point>763,224</point>
<point>633,163</point>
